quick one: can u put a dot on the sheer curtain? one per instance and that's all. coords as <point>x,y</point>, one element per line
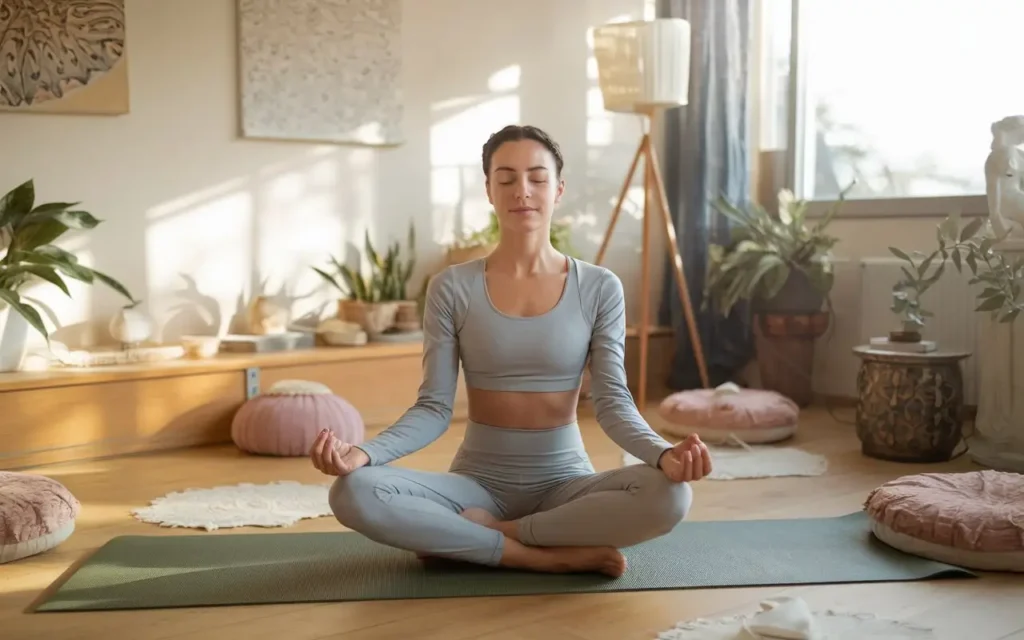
<point>707,147</point>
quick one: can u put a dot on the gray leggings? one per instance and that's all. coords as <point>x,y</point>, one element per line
<point>542,478</point>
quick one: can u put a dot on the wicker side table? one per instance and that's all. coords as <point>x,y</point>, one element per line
<point>909,405</point>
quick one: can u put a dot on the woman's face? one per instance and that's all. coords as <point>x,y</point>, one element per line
<point>523,186</point>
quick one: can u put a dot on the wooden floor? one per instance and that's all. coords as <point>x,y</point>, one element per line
<point>990,608</point>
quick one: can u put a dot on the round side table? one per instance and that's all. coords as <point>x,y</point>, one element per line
<point>909,405</point>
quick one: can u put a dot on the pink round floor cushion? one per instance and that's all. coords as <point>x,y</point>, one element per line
<point>36,514</point>
<point>973,519</point>
<point>755,416</point>
<point>285,420</point>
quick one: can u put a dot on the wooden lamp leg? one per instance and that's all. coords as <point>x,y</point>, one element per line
<point>677,265</point>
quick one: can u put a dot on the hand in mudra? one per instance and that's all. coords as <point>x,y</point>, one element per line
<point>334,457</point>
<point>688,461</point>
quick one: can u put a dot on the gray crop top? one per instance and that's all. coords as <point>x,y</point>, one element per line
<point>539,353</point>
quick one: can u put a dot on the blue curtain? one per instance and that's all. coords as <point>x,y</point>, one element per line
<point>707,150</point>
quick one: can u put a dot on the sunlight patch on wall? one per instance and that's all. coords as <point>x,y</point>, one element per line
<point>458,191</point>
<point>198,261</point>
<point>506,79</point>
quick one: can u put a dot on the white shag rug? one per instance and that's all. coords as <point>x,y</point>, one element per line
<point>735,463</point>
<point>792,619</point>
<point>278,504</point>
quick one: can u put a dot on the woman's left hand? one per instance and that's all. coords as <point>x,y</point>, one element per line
<point>688,461</point>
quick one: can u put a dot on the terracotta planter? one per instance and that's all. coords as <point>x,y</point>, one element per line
<point>374,317</point>
<point>407,316</point>
<point>785,352</point>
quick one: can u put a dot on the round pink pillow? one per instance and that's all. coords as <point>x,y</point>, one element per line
<point>973,519</point>
<point>728,412</point>
<point>36,514</point>
<point>285,420</point>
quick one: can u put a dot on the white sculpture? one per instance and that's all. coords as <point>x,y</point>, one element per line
<point>1004,176</point>
<point>998,440</point>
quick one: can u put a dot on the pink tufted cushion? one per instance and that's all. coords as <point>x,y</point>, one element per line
<point>285,420</point>
<point>974,511</point>
<point>36,514</point>
<point>729,408</point>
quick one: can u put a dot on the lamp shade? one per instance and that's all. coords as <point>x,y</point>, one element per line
<point>643,64</point>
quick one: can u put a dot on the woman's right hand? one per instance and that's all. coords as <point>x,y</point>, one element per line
<point>334,457</point>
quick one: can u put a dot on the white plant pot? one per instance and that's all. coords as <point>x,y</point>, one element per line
<point>13,340</point>
<point>130,326</point>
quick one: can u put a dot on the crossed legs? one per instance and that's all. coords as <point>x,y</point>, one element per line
<point>577,526</point>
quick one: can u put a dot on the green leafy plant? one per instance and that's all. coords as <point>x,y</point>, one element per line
<point>968,244</point>
<point>767,249</point>
<point>561,232</point>
<point>29,231</point>
<point>388,278</point>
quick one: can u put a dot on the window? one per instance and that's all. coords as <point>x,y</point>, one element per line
<point>898,95</point>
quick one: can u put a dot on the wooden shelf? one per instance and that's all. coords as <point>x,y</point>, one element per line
<point>225,362</point>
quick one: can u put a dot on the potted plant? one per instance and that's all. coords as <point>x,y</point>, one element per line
<point>27,234</point>
<point>481,242</point>
<point>374,301</point>
<point>781,264</point>
<point>971,245</point>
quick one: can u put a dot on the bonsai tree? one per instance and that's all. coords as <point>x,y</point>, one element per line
<point>969,245</point>
<point>27,233</point>
<point>778,262</point>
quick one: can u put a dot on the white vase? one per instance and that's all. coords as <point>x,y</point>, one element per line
<point>13,340</point>
<point>130,326</point>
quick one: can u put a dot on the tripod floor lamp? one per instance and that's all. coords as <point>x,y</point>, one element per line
<point>644,68</point>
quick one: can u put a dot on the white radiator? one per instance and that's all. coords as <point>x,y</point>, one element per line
<point>862,298</point>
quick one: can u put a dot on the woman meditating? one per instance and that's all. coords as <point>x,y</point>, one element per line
<point>521,491</point>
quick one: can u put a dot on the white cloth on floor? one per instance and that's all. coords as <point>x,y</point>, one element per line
<point>786,618</point>
<point>790,618</point>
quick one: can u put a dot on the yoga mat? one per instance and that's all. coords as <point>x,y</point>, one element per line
<point>146,572</point>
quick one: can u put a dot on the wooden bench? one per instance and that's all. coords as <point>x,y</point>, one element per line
<point>76,414</point>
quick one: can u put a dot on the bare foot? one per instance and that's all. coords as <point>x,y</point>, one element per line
<point>606,560</point>
<point>480,516</point>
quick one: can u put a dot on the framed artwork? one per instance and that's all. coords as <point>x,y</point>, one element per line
<point>321,70</point>
<point>63,57</point>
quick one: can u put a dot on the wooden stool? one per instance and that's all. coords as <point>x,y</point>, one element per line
<point>909,405</point>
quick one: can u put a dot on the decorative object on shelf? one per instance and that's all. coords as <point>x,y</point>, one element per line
<point>77,53</point>
<point>276,504</point>
<point>340,82</point>
<point>130,326</point>
<point>910,405</point>
<point>266,317</point>
<point>112,357</point>
<point>287,341</point>
<point>972,519</point>
<point>341,333</point>
<point>28,232</point>
<point>36,514</point>
<point>729,412</point>
<point>286,419</point>
<point>782,265</point>
<point>200,347</point>
<point>1004,177</point>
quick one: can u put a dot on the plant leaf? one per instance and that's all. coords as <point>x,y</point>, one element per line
<point>971,229</point>
<point>26,311</point>
<point>17,203</point>
<point>41,271</point>
<point>991,304</point>
<point>30,236</point>
<point>113,284</point>
<point>58,211</point>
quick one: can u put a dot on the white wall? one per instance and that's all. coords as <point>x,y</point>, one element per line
<point>197,218</point>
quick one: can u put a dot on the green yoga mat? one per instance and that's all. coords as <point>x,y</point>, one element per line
<point>146,572</point>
